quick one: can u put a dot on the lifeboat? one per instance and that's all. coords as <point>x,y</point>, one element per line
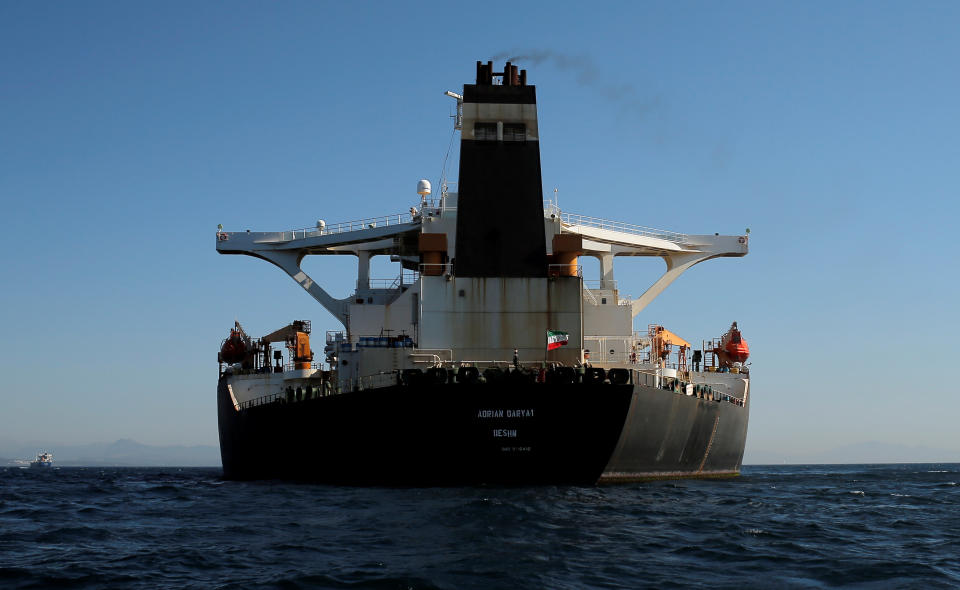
<point>735,345</point>
<point>236,347</point>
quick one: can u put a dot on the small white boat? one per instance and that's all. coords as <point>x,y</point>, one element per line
<point>43,460</point>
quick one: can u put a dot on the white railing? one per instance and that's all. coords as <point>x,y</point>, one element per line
<point>445,268</point>
<point>591,296</point>
<point>348,226</point>
<point>292,366</point>
<point>604,356</point>
<point>551,208</point>
<point>431,355</point>
<point>572,219</point>
<point>588,296</point>
<point>405,279</point>
<point>428,207</point>
<point>597,285</point>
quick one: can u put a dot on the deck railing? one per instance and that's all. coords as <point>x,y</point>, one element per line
<point>598,284</point>
<point>292,366</point>
<point>405,279</point>
<point>574,219</point>
<point>563,270</point>
<point>436,269</point>
<point>347,226</point>
<point>370,381</point>
<point>260,401</point>
<point>432,207</point>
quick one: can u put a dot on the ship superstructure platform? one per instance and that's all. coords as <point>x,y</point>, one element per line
<point>397,236</point>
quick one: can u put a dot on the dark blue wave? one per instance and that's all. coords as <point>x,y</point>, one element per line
<point>871,526</point>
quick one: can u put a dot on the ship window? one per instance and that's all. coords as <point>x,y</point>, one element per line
<point>485,131</point>
<point>514,132</point>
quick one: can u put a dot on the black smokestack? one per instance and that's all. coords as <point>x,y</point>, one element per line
<point>500,195</point>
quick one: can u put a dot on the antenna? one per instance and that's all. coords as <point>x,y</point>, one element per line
<point>458,118</point>
<point>457,124</point>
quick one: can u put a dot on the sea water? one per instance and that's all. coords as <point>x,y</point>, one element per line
<point>864,526</point>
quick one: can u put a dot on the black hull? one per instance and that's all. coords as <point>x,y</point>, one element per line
<point>508,433</point>
<point>667,435</point>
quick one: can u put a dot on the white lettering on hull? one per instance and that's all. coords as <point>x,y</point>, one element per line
<point>501,413</point>
<point>516,449</point>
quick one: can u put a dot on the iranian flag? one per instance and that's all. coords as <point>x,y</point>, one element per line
<point>556,339</point>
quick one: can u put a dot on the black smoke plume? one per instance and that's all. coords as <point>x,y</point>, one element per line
<point>586,74</point>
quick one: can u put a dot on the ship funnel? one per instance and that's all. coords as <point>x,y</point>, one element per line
<point>500,201</point>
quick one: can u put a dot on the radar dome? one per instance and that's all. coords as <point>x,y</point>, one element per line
<point>423,187</point>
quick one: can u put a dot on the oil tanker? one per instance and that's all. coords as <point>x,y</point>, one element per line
<point>489,359</point>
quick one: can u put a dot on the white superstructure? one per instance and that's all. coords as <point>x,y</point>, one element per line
<point>461,319</point>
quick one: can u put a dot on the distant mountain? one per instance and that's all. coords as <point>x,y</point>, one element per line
<point>864,452</point>
<point>123,452</point>
<point>880,452</point>
<point>765,458</point>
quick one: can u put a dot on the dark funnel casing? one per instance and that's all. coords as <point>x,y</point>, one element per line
<point>500,230</point>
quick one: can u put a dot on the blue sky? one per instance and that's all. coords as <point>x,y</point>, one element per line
<point>128,131</point>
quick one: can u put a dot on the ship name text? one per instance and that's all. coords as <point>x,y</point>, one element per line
<point>501,413</point>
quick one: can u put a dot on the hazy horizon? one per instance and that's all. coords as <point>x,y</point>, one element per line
<point>133,453</point>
